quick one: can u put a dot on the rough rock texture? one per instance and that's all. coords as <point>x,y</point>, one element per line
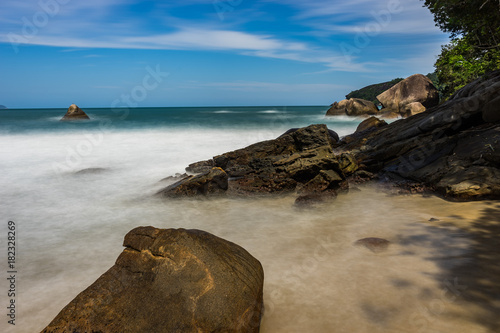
<point>370,124</point>
<point>200,167</point>
<point>75,113</point>
<point>353,107</point>
<point>301,159</point>
<point>416,88</point>
<point>170,280</point>
<point>211,182</point>
<point>453,148</point>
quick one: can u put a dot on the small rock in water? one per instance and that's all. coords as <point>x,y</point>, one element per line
<point>90,171</point>
<point>373,244</point>
<point>432,219</point>
<point>75,113</point>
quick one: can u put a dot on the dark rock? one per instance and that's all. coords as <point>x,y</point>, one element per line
<point>374,244</point>
<point>353,107</point>
<point>370,123</point>
<point>200,167</point>
<point>170,280</point>
<point>491,111</point>
<point>432,219</point>
<point>75,113</point>
<point>280,165</point>
<point>212,182</point>
<point>449,148</point>
<point>416,88</point>
<point>333,135</point>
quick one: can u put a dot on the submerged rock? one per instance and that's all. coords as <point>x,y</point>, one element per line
<point>75,113</point>
<point>170,280</point>
<point>88,171</point>
<point>374,244</point>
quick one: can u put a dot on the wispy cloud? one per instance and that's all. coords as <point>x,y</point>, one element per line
<point>93,24</point>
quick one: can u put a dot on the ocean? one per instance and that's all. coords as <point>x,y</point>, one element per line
<point>70,224</point>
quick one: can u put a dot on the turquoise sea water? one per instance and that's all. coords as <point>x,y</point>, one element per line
<point>47,120</point>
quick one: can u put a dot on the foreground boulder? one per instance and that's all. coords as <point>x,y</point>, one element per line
<point>353,107</point>
<point>75,113</point>
<point>299,160</point>
<point>453,148</point>
<point>414,89</point>
<point>170,280</point>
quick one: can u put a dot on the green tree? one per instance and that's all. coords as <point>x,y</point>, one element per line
<point>474,26</point>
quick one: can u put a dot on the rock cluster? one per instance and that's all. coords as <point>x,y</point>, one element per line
<point>453,148</point>
<point>300,160</point>
<point>170,280</point>
<point>411,96</point>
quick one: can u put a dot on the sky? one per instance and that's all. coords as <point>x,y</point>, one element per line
<point>112,53</point>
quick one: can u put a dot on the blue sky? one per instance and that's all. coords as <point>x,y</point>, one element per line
<point>101,53</point>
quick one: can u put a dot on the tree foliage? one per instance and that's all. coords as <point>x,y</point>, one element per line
<point>474,26</point>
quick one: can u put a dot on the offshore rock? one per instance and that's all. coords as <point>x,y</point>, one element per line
<point>170,280</point>
<point>75,113</point>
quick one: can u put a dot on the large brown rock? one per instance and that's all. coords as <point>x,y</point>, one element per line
<point>353,107</point>
<point>282,164</point>
<point>75,113</point>
<point>211,182</point>
<point>285,164</point>
<point>170,280</point>
<point>453,148</point>
<point>416,88</point>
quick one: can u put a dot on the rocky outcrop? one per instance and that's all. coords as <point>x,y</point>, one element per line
<point>300,160</point>
<point>453,148</point>
<point>211,182</point>
<point>75,113</point>
<point>352,107</point>
<point>3,107</point>
<point>170,280</point>
<point>416,88</point>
